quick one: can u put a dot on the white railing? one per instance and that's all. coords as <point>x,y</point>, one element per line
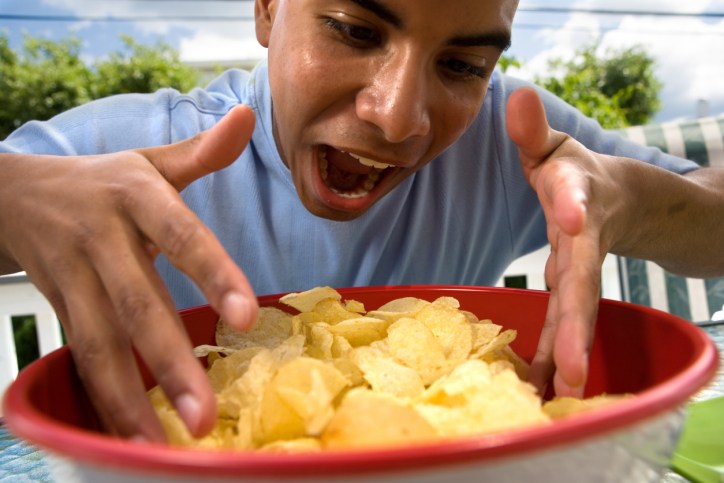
<point>18,296</point>
<point>532,267</point>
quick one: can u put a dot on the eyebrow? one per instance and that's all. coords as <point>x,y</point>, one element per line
<point>381,11</point>
<point>500,40</point>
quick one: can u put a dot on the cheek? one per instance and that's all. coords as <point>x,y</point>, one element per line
<point>301,84</point>
<point>454,118</point>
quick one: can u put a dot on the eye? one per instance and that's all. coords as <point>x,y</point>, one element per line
<point>457,68</point>
<point>354,34</point>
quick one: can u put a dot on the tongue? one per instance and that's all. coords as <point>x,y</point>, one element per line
<point>342,180</point>
<point>344,173</point>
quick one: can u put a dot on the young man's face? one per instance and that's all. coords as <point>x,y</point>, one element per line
<point>366,92</point>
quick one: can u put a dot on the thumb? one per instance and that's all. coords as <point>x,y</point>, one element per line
<point>211,150</point>
<point>528,127</point>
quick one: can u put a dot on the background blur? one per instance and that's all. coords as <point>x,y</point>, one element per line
<point>685,39</point>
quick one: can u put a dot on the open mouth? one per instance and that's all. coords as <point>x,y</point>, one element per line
<point>349,175</point>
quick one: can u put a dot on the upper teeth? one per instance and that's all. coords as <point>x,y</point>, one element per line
<point>370,162</point>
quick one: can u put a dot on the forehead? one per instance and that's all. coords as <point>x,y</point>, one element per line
<point>464,12</point>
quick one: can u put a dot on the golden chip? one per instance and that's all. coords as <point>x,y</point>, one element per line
<point>272,327</point>
<point>305,301</point>
<point>368,419</point>
<point>561,407</point>
<point>387,376</point>
<point>334,376</point>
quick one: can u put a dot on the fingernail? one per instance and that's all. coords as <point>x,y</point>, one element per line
<point>189,409</point>
<point>236,309</point>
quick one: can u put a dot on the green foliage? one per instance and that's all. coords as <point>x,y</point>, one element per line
<point>619,89</point>
<point>25,335</point>
<point>505,62</point>
<point>26,340</point>
<point>49,77</point>
<point>143,68</point>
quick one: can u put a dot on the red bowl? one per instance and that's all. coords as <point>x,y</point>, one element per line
<point>661,358</point>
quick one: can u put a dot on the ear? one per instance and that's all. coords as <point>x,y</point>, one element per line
<point>264,11</point>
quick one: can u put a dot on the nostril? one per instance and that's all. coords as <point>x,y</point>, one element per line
<point>398,113</point>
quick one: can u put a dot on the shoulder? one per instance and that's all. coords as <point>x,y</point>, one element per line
<point>129,121</point>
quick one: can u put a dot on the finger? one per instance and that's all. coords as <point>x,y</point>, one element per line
<point>148,317</point>
<point>578,294</point>
<point>569,201</point>
<point>104,359</point>
<point>527,126</point>
<point>542,367</point>
<point>209,151</point>
<point>191,247</point>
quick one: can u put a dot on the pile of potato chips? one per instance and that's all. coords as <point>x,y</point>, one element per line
<point>337,376</point>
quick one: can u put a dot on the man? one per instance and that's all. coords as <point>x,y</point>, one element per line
<point>385,150</point>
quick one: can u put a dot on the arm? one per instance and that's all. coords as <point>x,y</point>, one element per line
<point>87,229</point>
<point>676,220</point>
<point>594,204</point>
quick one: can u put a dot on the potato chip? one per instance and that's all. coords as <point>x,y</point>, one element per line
<point>488,351</point>
<point>450,327</point>
<point>413,344</point>
<point>288,446</point>
<point>387,376</point>
<point>361,330</point>
<point>474,400</point>
<point>272,327</point>
<point>298,400</point>
<point>354,306</point>
<point>403,305</point>
<point>483,333</point>
<point>448,301</point>
<point>206,349</point>
<point>340,347</point>
<point>368,419</point>
<point>225,370</point>
<point>561,407</point>
<point>334,376</point>
<point>305,301</point>
<point>331,312</point>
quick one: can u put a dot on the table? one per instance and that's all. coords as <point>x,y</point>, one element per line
<point>22,463</point>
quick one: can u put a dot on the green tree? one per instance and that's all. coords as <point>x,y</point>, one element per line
<point>48,77</point>
<point>618,89</point>
<point>143,68</point>
<point>505,62</point>
<point>45,79</point>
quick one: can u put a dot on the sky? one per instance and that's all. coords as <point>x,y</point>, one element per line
<point>686,39</point>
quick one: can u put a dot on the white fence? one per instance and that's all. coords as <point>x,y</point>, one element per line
<point>18,296</point>
<point>532,267</point>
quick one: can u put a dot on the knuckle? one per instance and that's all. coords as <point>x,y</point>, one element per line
<point>179,235</point>
<point>133,306</point>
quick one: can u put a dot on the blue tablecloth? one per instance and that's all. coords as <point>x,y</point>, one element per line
<point>22,463</point>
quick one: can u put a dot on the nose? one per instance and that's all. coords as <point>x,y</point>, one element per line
<point>396,99</point>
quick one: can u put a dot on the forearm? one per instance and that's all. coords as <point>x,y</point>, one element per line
<point>673,220</point>
<point>11,173</point>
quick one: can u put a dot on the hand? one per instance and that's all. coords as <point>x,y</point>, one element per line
<point>565,175</point>
<point>87,230</point>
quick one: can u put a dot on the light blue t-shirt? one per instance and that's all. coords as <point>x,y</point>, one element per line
<point>460,220</point>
